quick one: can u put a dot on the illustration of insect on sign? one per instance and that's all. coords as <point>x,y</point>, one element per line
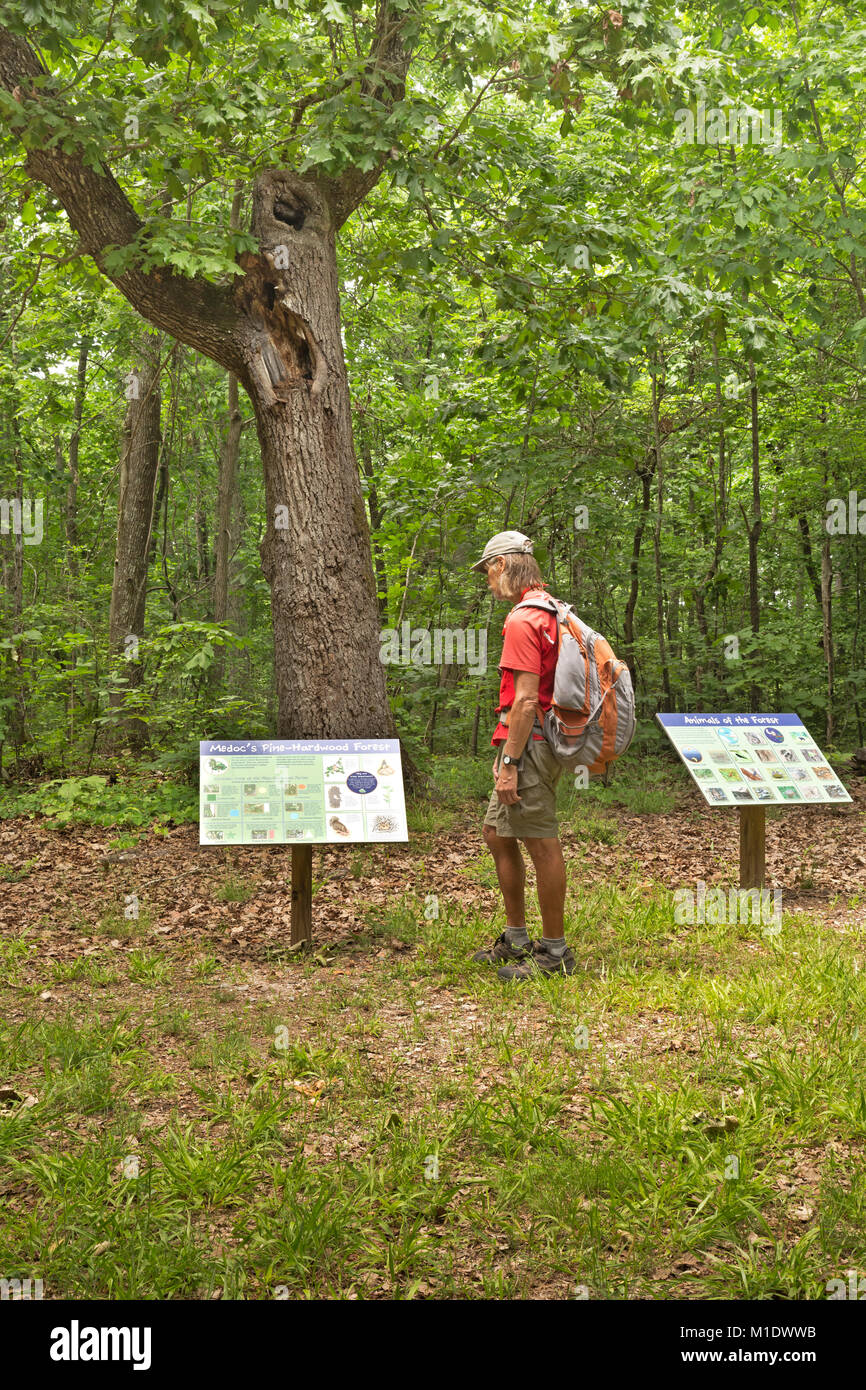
<point>301,792</point>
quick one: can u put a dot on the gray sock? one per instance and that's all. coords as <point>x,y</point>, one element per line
<point>554,945</point>
<point>516,936</point>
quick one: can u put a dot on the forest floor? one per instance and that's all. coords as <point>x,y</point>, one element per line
<point>190,1109</point>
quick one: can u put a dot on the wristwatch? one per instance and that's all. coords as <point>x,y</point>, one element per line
<point>508,761</point>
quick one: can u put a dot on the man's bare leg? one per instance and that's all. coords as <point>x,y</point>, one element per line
<point>511,872</point>
<point>546,855</point>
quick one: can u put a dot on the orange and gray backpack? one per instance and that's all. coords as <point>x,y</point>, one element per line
<point>591,720</point>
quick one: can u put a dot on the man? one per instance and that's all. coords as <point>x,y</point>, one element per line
<point>523,804</point>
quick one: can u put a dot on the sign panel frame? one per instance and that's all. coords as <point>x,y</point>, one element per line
<point>758,760</point>
<point>301,792</point>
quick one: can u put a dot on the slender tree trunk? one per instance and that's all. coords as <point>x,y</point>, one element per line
<point>645,473</point>
<point>720,511</point>
<point>827,592</point>
<point>228,473</point>
<point>227,486</point>
<point>475,723</point>
<point>855,640</point>
<point>202,548</point>
<point>827,619</point>
<point>753,530</point>
<point>138,468</point>
<point>808,558</point>
<point>74,441</point>
<point>657,552</point>
<point>376,518</point>
<point>13,579</point>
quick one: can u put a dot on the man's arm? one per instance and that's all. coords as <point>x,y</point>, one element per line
<point>520,722</point>
<point>522,716</point>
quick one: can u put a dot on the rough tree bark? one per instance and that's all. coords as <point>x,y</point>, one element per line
<point>277,328</point>
<point>316,552</point>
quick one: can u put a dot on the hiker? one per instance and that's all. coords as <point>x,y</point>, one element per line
<point>523,804</point>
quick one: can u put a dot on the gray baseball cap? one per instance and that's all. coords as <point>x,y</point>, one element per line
<point>504,543</point>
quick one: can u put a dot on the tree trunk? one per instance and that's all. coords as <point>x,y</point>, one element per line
<point>753,530</point>
<point>858,589</point>
<point>827,620</point>
<point>720,512</point>
<point>13,584</point>
<point>228,473</point>
<point>74,441</point>
<point>376,518</point>
<point>808,558</point>
<point>827,595</point>
<point>657,554</point>
<point>202,551</point>
<point>138,469</point>
<point>645,473</point>
<point>316,551</point>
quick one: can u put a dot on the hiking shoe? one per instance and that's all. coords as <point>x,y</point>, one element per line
<point>539,961</point>
<point>501,950</point>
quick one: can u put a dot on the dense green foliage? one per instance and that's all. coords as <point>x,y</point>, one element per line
<point>552,302</point>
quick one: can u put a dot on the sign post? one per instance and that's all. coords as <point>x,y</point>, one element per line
<point>301,793</point>
<point>302,895</point>
<point>752,761</point>
<point>753,831</point>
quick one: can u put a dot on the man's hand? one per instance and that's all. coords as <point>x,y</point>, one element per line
<point>506,786</point>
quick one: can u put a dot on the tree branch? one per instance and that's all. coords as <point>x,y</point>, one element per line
<point>388,63</point>
<point>192,310</point>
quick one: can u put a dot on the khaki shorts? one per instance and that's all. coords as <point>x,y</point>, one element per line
<point>534,816</point>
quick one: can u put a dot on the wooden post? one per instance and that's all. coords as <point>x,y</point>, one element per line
<point>752,846</point>
<point>302,894</point>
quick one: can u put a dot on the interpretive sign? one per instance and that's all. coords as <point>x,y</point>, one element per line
<point>753,759</point>
<point>297,792</point>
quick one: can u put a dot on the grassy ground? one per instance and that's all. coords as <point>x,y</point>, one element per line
<point>684,1118</point>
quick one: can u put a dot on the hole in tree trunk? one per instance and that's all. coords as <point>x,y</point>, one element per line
<point>293,214</point>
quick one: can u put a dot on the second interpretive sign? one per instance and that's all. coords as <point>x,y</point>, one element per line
<point>757,759</point>
<point>291,791</point>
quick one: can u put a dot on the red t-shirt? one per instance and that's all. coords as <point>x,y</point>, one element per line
<point>531,644</point>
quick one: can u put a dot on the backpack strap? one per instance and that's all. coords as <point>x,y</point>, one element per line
<point>548,604</point>
<point>545,601</point>
<point>551,605</point>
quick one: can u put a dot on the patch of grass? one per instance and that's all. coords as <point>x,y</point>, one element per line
<point>147,968</point>
<point>205,966</point>
<point>114,922</point>
<point>13,873</point>
<point>233,889</point>
<point>85,969</point>
<point>175,1022</point>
